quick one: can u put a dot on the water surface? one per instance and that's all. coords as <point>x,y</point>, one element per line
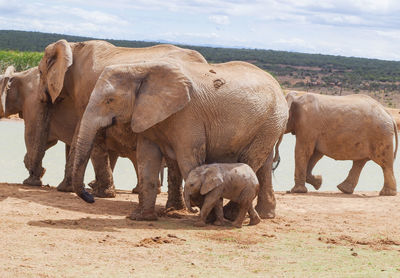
<point>12,169</point>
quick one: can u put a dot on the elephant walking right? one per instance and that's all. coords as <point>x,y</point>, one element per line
<point>353,127</point>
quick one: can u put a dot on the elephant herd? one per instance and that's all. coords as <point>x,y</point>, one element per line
<point>165,103</point>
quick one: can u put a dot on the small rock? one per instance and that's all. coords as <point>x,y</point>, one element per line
<point>354,254</point>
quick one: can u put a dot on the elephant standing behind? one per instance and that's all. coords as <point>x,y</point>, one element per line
<point>19,93</point>
<point>353,127</point>
<point>70,71</point>
<point>194,113</point>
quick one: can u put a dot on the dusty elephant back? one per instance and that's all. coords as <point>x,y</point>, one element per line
<point>349,127</point>
<point>237,104</point>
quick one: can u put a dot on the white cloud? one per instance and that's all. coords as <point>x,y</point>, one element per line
<point>368,28</point>
<point>219,19</point>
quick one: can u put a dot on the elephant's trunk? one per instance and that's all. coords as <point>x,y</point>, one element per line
<point>188,204</point>
<point>81,154</point>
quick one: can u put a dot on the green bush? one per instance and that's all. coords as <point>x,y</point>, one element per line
<point>20,60</point>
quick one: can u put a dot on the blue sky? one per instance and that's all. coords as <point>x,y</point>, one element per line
<point>362,28</point>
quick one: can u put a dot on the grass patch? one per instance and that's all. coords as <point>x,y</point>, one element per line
<point>20,60</point>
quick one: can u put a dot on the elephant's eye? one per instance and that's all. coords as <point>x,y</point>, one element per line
<point>109,100</point>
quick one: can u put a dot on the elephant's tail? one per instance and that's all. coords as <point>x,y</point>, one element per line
<point>396,138</point>
<point>277,157</point>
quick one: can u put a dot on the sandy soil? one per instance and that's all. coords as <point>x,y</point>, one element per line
<point>45,233</point>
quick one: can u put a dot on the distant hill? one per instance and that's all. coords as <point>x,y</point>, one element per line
<point>312,72</point>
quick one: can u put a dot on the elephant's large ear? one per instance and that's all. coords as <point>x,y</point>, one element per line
<point>213,179</point>
<point>56,60</point>
<point>4,86</point>
<point>162,91</point>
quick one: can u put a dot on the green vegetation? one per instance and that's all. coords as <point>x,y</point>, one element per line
<point>293,70</point>
<point>20,60</point>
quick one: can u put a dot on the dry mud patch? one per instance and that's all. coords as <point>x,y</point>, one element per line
<point>45,233</point>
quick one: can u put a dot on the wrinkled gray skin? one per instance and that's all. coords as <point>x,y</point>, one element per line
<point>232,181</point>
<point>193,113</point>
<point>70,70</point>
<point>353,127</point>
<point>19,92</point>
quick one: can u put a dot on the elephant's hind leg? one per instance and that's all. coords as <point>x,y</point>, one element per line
<point>348,185</point>
<point>314,180</point>
<point>254,217</point>
<point>389,185</point>
<point>266,202</point>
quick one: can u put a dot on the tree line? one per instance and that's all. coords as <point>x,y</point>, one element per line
<point>292,69</point>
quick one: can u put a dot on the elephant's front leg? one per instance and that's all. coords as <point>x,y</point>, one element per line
<point>266,202</point>
<point>36,173</point>
<point>149,162</point>
<point>219,213</point>
<point>37,142</point>
<point>210,201</point>
<point>136,189</point>
<point>303,152</point>
<point>66,186</point>
<point>103,186</point>
<point>175,197</point>
<point>348,185</point>
<point>315,181</point>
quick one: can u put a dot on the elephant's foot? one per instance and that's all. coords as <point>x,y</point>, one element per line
<point>199,223</point>
<point>102,190</point>
<point>138,215</point>
<point>315,181</point>
<point>299,189</point>
<point>136,189</point>
<point>254,221</point>
<point>218,223</point>
<point>175,202</point>
<point>231,210</point>
<point>33,181</point>
<point>387,192</point>
<point>265,212</point>
<point>346,187</point>
<point>65,187</point>
<point>237,224</point>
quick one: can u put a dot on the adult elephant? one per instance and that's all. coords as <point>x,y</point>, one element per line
<point>193,113</point>
<point>352,127</point>
<point>19,95</point>
<point>70,70</point>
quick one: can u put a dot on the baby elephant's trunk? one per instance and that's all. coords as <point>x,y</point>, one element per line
<point>187,201</point>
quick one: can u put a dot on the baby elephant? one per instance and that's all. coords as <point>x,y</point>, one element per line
<point>207,185</point>
<point>353,127</point>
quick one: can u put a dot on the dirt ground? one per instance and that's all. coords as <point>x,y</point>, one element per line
<point>45,233</point>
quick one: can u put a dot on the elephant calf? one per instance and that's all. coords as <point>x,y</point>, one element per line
<point>207,185</point>
<point>353,127</point>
